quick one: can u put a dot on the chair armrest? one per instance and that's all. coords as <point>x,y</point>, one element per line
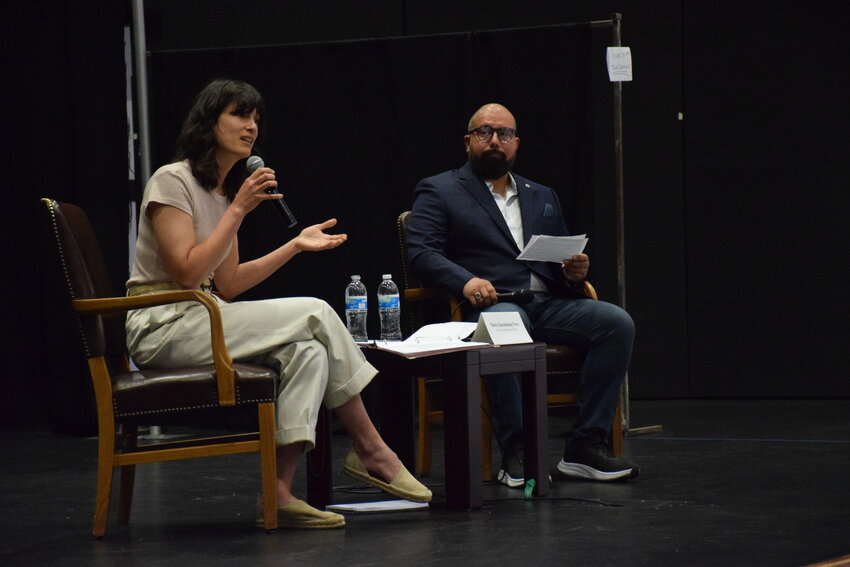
<point>423,293</point>
<point>222,360</point>
<point>415,294</point>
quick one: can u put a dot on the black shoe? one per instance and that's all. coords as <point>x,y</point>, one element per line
<point>512,472</point>
<point>592,459</point>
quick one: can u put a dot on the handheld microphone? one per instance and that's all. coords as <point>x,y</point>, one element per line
<point>521,296</point>
<point>253,164</point>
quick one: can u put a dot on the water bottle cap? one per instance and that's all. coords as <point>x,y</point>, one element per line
<point>387,276</point>
<point>355,278</point>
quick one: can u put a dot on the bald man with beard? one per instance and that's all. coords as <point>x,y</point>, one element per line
<point>466,229</point>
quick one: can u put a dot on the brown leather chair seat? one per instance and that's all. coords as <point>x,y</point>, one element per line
<point>168,396</point>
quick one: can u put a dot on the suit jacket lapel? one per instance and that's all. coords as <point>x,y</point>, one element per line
<point>478,189</point>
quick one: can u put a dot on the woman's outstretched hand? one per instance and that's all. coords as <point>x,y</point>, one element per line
<point>314,239</point>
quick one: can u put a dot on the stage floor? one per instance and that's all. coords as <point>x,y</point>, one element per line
<point>724,483</point>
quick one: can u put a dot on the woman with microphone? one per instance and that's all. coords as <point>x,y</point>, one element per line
<point>189,219</point>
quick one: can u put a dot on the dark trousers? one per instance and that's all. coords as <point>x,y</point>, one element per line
<point>602,330</point>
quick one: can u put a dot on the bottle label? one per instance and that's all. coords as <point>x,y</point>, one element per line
<point>359,302</point>
<point>388,302</point>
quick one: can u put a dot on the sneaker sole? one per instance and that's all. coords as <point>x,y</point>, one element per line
<point>508,480</point>
<point>577,470</point>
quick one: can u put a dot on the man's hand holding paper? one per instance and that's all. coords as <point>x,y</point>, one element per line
<point>575,268</point>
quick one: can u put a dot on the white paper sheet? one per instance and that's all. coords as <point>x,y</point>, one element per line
<point>542,248</point>
<point>449,331</point>
<point>384,506</point>
<point>619,60</point>
<point>432,338</point>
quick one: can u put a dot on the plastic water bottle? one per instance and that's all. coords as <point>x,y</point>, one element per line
<point>389,309</point>
<point>356,309</point>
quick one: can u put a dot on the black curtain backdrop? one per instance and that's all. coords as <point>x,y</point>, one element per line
<point>735,163</point>
<point>351,141</point>
<point>63,63</point>
<point>767,199</point>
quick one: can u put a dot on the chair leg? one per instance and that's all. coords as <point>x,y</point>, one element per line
<point>268,464</point>
<point>424,434</point>
<point>128,476</point>
<point>105,460</point>
<point>617,431</point>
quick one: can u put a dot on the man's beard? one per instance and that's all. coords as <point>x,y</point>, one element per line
<point>492,164</point>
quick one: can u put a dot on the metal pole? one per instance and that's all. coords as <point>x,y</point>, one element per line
<point>618,183</point>
<point>141,72</point>
<point>618,173</point>
<point>621,239</point>
<point>140,53</point>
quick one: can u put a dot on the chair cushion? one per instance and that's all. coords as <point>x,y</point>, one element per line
<point>168,392</point>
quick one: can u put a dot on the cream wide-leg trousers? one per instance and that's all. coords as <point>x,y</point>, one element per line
<point>301,337</point>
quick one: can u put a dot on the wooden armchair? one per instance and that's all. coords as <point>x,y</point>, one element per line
<point>126,399</point>
<point>563,369</point>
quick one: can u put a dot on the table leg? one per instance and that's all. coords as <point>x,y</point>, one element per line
<point>461,416</point>
<point>535,423</point>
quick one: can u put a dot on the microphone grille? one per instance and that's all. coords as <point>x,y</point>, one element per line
<point>254,163</point>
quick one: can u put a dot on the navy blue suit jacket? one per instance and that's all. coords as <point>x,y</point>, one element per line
<point>456,232</point>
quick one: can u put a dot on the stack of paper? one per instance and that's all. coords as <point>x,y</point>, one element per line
<point>541,248</point>
<point>439,337</point>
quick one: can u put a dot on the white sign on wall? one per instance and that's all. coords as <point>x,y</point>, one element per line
<point>619,64</point>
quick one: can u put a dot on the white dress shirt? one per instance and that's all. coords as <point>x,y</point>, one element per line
<point>509,207</point>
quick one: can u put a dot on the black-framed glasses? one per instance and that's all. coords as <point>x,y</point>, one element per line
<point>484,133</point>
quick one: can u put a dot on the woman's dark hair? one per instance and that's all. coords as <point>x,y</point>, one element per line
<point>197,142</point>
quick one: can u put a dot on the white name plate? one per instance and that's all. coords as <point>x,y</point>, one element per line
<point>501,328</point>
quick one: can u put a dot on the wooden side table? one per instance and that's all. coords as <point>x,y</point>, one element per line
<point>460,372</point>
